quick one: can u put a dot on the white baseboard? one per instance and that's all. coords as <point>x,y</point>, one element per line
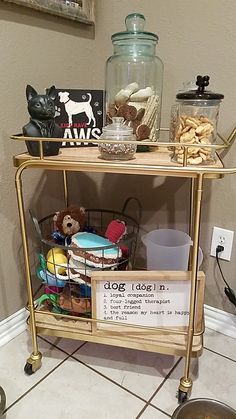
<point>220,321</point>
<point>215,319</point>
<point>12,326</point>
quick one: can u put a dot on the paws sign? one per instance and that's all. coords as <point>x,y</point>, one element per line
<point>80,114</point>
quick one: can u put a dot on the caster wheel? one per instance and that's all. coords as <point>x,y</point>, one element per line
<point>28,368</point>
<point>182,396</point>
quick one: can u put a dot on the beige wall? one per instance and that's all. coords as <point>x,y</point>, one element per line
<point>195,38</point>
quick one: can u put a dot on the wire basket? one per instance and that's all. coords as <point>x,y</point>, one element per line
<point>66,273</point>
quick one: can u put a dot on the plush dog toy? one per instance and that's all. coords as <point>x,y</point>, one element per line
<point>116,229</point>
<point>73,300</point>
<point>67,222</point>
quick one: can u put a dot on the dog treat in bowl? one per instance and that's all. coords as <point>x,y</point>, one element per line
<point>115,139</point>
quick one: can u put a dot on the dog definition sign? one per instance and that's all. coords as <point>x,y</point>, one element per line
<point>154,299</point>
<point>80,114</point>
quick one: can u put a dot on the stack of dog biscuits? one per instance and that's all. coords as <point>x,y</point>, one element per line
<point>140,109</point>
<point>197,131</point>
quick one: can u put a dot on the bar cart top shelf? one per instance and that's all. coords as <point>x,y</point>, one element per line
<point>153,162</point>
<point>156,161</point>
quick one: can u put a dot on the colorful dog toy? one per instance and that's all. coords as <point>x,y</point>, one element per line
<point>116,229</point>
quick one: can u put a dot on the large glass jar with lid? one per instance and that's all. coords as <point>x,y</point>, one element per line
<point>194,120</point>
<point>134,77</point>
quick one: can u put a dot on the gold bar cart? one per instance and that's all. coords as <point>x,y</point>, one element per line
<point>187,343</point>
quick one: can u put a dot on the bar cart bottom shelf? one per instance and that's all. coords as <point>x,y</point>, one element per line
<point>129,337</point>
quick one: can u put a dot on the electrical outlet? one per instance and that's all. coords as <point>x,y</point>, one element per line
<point>222,237</point>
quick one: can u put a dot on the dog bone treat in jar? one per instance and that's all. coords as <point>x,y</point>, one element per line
<point>194,120</point>
<point>110,148</point>
<point>134,80</point>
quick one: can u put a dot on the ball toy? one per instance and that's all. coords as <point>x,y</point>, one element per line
<point>54,260</point>
<point>54,251</point>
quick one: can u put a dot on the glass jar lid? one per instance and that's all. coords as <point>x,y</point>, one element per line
<point>135,23</point>
<point>117,129</point>
<point>200,92</point>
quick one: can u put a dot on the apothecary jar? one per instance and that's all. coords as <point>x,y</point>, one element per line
<point>194,119</point>
<point>134,76</point>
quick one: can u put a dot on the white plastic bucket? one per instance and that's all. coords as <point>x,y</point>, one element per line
<point>168,250</point>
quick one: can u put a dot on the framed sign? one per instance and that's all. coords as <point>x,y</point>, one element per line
<point>79,112</point>
<point>78,10</point>
<point>145,298</point>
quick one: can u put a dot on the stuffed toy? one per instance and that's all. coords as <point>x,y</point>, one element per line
<point>52,283</point>
<point>94,250</point>
<point>75,299</point>
<point>72,300</point>
<point>116,229</point>
<point>67,222</point>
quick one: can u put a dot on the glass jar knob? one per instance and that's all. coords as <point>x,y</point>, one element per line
<point>117,121</point>
<point>135,22</point>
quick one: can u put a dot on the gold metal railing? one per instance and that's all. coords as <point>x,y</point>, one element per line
<point>224,143</point>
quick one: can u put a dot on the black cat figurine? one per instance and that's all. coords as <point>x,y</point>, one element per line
<point>42,124</point>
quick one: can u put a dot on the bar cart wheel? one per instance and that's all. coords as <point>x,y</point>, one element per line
<point>184,390</point>
<point>182,396</point>
<point>33,364</point>
<point>28,368</point>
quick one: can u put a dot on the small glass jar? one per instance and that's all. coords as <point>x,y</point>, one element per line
<point>194,120</point>
<point>117,131</point>
<point>134,76</point>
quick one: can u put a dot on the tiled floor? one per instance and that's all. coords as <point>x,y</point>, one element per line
<point>80,380</point>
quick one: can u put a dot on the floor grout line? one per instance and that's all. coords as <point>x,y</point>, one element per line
<point>165,379</point>
<point>147,402</point>
<point>84,343</point>
<point>36,384</point>
<point>160,410</point>
<point>155,407</point>
<point>46,375</point>
<point>71,355</point>
<point>61,349</point>
<point>108,378</point>
<point>218,353</point>
<point>116,383</point>
<point>129,391</point>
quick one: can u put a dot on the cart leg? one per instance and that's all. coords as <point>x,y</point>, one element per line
<point>65,187</point>
<point>186,383</point>
<point>191,208</point>
<point>191,218</point>
<point>34,361</point>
